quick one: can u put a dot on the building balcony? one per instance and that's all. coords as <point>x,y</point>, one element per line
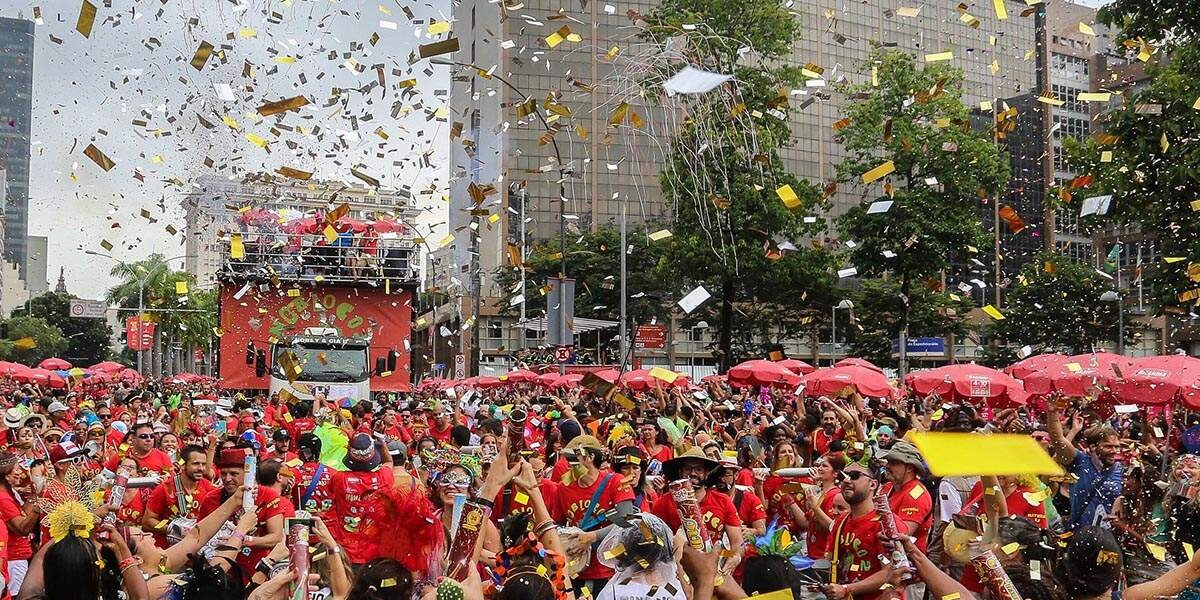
<point>351,259</point>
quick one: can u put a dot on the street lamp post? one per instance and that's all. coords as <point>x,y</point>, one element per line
<point>1114,296</point>
<point>843,305</point>
<point>141,290</point>
<point>701,326</point>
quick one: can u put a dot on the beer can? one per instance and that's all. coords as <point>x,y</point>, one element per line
<point>992,575</point>
<point>689,513</point>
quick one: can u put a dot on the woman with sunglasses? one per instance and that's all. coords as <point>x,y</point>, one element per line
<point>459,478</point>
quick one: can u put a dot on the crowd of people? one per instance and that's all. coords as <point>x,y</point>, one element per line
<point>180,491</point>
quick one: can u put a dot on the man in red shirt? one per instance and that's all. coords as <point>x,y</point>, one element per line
<point>268,509</point>
<point>717,511</point>
<point>441,426</point>
<point>141,450</point>
<point>164,505</point>
<point>301,421</point>
<point>353,504</point>
<point>828,432</point>
<point>574,507</point>
<point>910,501</point>
<point>307,495</point>
<point>394,430</point>
<point>857,551</point>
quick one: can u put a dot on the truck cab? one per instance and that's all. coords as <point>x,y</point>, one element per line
<point>337,366</point>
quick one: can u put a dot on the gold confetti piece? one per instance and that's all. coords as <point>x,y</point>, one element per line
<point>25,343</point>
<point>446,241</point>
<point>1196,104</point>
<point>285,60</point>
<point>908,11</point>
<point>1159,552</point>
<point>1051,100</point>
<point>1001,10</point>
<point>521,498</point>
<point>237,250</point>
<point>1164,143</point>
<point>388,582</point>
<point>558,37</point>
<point>181,288</point>
<point>661,234</point>
<point>87,17</point>
<point>1011,548</point>
<point>439,27</point>
<point>878,172</point>
<point>248,32</point>
<point>788,196</point>
<point>291,173</point>
<point>1188,550</point>
<point>407,83</point>
<point>618,114</point>
<point>1093,96</point>
<point>952,596</point>
<point>231,122</point>
<point>256,139</point>
<point>1086,29</point>
<point>293,103</point>
<point>107,245</point>
<point>1106,156</point>
<point>636,120</point>
<point>993,312</point>
<point>1195,204</point>
<point>939,56</point>
<point>371,181</point>
<point>331,234</point>
<point>101,159</point>
<point>612,53</point>
<point>200,58</point>
<point>438,48</point>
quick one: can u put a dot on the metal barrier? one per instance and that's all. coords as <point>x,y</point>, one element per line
<point>351,258</point>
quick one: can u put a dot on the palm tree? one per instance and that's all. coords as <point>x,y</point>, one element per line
<point>157,283</point>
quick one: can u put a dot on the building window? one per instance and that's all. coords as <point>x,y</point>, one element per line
<point>1070,95</point>
<point>1072,127</point>
<point>1067,66</point>
<point>495,329</point>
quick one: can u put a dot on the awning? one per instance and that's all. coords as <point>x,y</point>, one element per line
<point>579,325</point>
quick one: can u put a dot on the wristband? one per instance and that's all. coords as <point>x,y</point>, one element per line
<point>237,535</point>
<point>334,550</point>
<point>488,504</point>
<point>126,563</point>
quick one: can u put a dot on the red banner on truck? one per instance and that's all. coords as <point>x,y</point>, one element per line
<point>264,318</point>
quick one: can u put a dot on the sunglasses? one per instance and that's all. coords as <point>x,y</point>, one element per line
<point>851,476</point>
<point>145,436</point>
<point>105,416</point>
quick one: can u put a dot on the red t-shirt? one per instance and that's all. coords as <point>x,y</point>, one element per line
<point>19,546</point>
<point>356,531</point>
<point>818,538</point>
<point>572,502</point>
<point>716,511</point>
<point>821,440</point>
<point>268,504</point>
<point>561,466</point>
<point>299,427</point>
<point>664,453</point>
<point>155,461</point>
<point>858,549</point>
<point>1018,505</point>
<point>320,502</point>
<point>751,507</point>
<point>912,503</point>
<point>441,435</point>
<point>162,502</point>
<point>775,496</point>
<point>745,477</point>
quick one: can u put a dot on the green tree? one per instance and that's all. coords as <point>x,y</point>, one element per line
<point>1054,306</point>
<point>88,339</point>
<point>1151,174</point>
<point>152,284</point>
<point>914,118</point>
<point>30,340</point>
<point>879,314</point>
<point>734,220</point>
<point>1155,22</point>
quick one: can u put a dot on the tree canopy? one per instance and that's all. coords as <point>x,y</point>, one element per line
<point>88,339</point>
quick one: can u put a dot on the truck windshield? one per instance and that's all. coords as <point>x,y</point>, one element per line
<point>324,364</point>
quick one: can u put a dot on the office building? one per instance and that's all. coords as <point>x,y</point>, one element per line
<point>36,266</point>
<point>212,208</point>
<point>610,169</point>
<point>16,110</point>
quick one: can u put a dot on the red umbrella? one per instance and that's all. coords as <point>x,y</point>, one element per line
<point>130,375</point>
<point>258,215</point>
<point>345,224</point>
<point>641,380</point>
<point>1079,376</point>
<point>482,382</point>
<point>549,380</point>
<point>107,366</point>
<point>389,226</point>
<point>41,377</point>
<point>609,375</point>
<point>54,364</point>
<point>1033,364</point>
<point>714,378</point>
<point>520,376</point>
<point>11,368</point>
<point>1160,379</point>
<point>798,367</point>
<point>570,380</point>
<point>969,382</point>
<point>302,225</point>
<point>865,380</point>
<point>762,372</point>
<point>857,362</point>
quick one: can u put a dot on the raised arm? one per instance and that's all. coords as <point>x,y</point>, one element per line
<point>1064,450</point>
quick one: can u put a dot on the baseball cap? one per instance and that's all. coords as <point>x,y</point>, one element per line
<point>56,406</point>
<point>64,451</point>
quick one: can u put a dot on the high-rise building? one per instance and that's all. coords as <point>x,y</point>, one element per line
<point>585,173</point>
<point>36,266</point>
<point>212,210</point>
<point>16,110</point>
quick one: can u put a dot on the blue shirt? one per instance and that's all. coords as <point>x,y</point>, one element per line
<point>1093,495</point>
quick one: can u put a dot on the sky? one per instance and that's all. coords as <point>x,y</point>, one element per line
<point>130,90</point>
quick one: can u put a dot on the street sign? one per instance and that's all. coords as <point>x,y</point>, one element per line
<point>562,354</point>
<point>921,346</point>
<point>652,337</point>
<point>460,366</point>
<point>88,309</point>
